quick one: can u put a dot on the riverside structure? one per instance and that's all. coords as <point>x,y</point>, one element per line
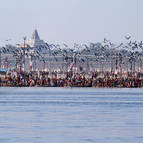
<point>104,64</point>
<point>70,79</point>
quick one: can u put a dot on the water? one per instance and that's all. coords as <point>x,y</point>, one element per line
<point>72,115</point>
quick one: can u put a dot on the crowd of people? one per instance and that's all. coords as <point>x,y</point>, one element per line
<point>70,79</point>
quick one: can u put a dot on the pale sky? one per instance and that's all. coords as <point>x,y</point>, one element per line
<point>71,21</point>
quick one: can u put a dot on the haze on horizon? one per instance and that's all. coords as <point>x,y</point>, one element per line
<point>71,21</point>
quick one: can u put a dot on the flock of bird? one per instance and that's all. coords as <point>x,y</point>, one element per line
<point>84,53</point>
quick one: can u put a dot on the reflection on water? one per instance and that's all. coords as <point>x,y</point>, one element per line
<point>71,115</point>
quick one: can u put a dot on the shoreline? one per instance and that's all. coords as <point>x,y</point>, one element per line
<point>71,80</point>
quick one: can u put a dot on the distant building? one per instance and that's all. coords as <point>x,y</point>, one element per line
<point>35,40</point>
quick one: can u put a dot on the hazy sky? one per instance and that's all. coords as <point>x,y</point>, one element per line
<point>71,21</point>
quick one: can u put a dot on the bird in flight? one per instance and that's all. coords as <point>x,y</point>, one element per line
<point>127,37</point>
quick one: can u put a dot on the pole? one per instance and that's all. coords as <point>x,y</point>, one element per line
<point>0,58</point>
<point>24,54</point>
<point>24,62</point>
<point>0,66</point>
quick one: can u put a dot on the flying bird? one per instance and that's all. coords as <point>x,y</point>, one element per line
<point>105,40</point>
<point>127,37</point>
<point>65,45</point>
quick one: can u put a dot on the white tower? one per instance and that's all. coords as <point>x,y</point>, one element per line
<point>35,40</point>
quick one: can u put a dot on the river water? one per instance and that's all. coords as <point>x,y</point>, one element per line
<point>71,115</point>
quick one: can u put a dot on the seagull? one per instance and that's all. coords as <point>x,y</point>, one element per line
<point>95,54</point>
<point>82,60</point>
<point>66,58</point>
<point>65,45</point>
<point>7,50</point>
<point>120,45</point>
<point>130,43</point>
<point>53,45</point>
<point>141,44</point>
<point>106,46</point>
<point>127,37</point>
<point>3,49</point>
<point>135,45</point>
<point>105,40</point>
<point>65,51</point>
<point>111,44</point>
<point>8,40</point>
<point>87,48</point>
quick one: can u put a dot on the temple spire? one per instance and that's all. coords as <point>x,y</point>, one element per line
<point>35,40</point>
<point>35,35</point>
